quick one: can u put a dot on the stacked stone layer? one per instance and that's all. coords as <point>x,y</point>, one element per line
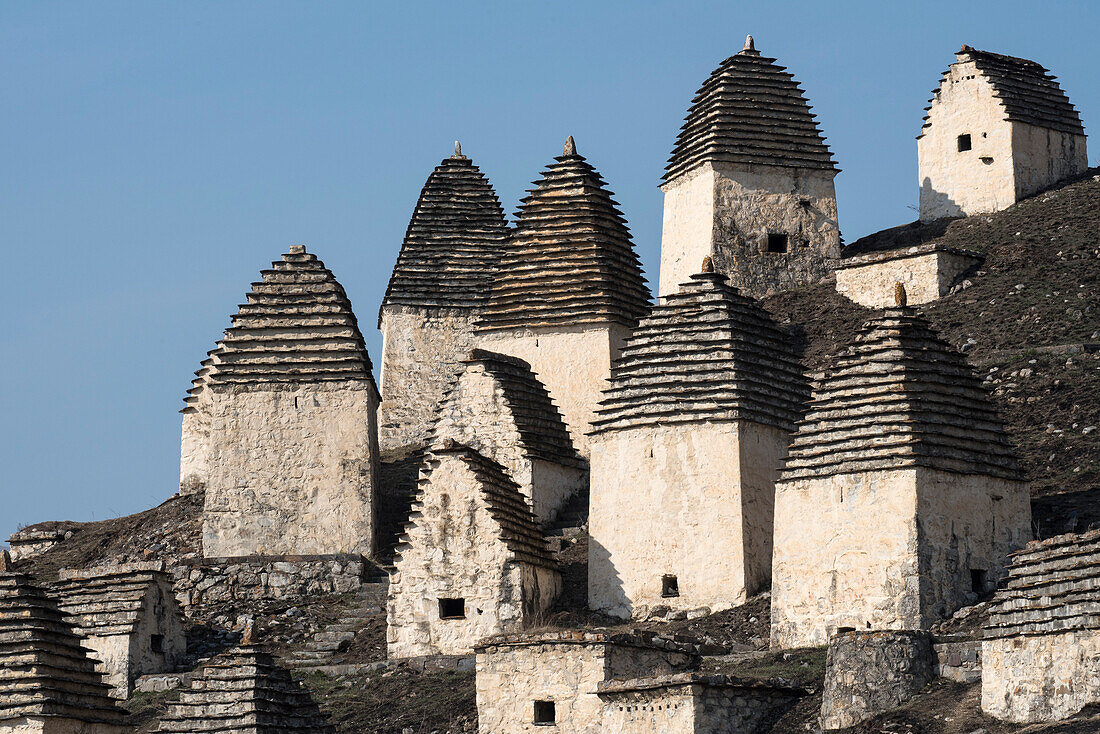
<point>44,669</point>
<point>108,601</point>
<point>1052,587</point>
<point>706,353</point>
<point>571,260</point>
<point>518,528</point>
<point>541,426</point>
<point>297,327</point>
<point>899,397</point>
<point>1029,93</point>
<point>454,241</point>
<point>245,691</point>
<point>749,111</point>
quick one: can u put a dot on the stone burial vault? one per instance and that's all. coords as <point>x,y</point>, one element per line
<point>498,407</point>
<point>1042,638</point>
<point>439,285</point>
<point>128,616</point>
<point>686,445</point>
<point>280,423</point>
<point>569,288</point>
<point>473,561</point>
<point>49,683</point>
<point>750,183</point>
<point>997,129</point>
<point>900,497</point>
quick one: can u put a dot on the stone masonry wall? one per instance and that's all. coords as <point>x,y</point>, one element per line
<point>657,490</point>
<point>926,275</point>
<point>294,470</point>
<point>56,725</point>
<point>573,363</point>
<point>422,350</point>
<point>1042,157</point>
<point>868,673</point>
<point>1040,678</point>
<point>727,212</point>
<point>195,444</point>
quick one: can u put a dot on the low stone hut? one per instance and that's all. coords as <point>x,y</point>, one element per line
<point>129,616</point>
<point>686,444</point>
<point>498,407</point>
<point>569,288</point>
<point>927,271</point>
<point>49,683</point>
<point>442,277</point>
<point>526,682</point>
<point>472,562</point>
<point>900,498</point>
<point>1042,638</point>
<point>281,422</point>
<point>692,703</point>
<point>244,692</point>
<point>997,129</point>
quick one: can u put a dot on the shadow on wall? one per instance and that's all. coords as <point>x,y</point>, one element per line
<point>397,491</point>
<point>937,204</point>
<point>610,584</point>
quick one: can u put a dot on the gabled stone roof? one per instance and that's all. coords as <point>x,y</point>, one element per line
<point>704,354</point>
<point>750,110</point>
<point>518,528</point>
<point>1053,586</point>
<point>297,327</point>
<point>44,669</point>
<point>542,429</point>
<point>245,691</point>
<point>899,397</point>
<point>454,240</point>
<point>110,600</point>
<point>571,259</point>
<point>1028,92</point>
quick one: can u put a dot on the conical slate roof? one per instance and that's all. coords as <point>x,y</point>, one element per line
<point>454,240</point>
<point>571,259</point>
<point>44,669</point>
<point>1027,91</point>
<point>899,397</point>
<point>111,600</point>
<point>542,430</point>
<point>750,110</point>
<point>245,691</point>
<point>704,354</point>
<point>297,326</point>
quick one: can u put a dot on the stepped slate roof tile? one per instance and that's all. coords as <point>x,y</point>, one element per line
<point>45,671</point>
<point>1028,92</point>
<point>704,354</point>
<point>110,601</point>
<point>571,259</point>
<point>899,397</point>
<point>454,241</point>
<point>749,111</point>
<point>297,327</point>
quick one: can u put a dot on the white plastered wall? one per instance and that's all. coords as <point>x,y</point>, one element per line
<point>1042,157</point>
<point>926,278</point>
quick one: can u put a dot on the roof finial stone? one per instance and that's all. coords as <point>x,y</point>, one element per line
<point>708,265</point>
<point>458,150</point>
<point>901,299</point>
<point>750,45</point>
<point>570,146</point>
<point>5,562</point>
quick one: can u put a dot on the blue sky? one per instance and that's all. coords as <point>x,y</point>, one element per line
<point>157,155</point>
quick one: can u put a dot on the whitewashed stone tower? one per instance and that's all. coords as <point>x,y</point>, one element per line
<point>569,288</point>
<point>686,446</point>
<point>900,497</point>
<point>472,562</point>
<point>750,183</point>
<point>498,407</point>
<point>283,421</point>
<point>440,282</point>
<point>998,129</point>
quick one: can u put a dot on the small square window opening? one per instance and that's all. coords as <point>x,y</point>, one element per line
<point>777,242</point>
<point>452,609</point>
<point>670,586</point>
<point>156,642</point>
<point>545,713</point>
<point>964,143</point>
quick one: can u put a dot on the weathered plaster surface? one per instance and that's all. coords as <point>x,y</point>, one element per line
<point>294,470</point>
<point>689,709</point>
<point>887,549</point>
<point>1042,677</point>
<point>727,212</point>
<point>657,490</point>
<point>927,277</point>
<point>573,363</point>
<point>422,351</point>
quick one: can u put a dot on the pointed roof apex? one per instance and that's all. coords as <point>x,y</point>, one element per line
<point>750,47</point>
<point>458,150</point>
<point>570,146</point>
<point>708,265</point>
